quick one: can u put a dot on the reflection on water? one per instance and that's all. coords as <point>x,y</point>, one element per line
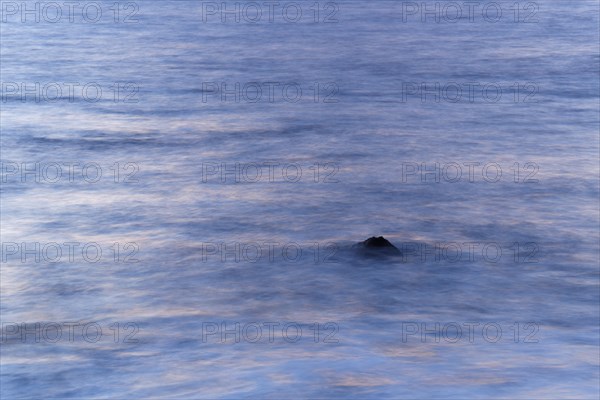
<point>514,316</point>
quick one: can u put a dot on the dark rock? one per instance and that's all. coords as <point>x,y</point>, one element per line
<point>377,242</point>
<point>377,246</point>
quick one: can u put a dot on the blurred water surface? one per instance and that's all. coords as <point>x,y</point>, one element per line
<point>178,127</point>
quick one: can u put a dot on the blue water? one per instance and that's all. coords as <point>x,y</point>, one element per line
<point>168,209</point>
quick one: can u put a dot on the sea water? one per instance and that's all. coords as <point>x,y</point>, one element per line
<point>182,184</point>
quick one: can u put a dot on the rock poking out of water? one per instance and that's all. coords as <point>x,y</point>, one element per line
<point>377,246</point>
